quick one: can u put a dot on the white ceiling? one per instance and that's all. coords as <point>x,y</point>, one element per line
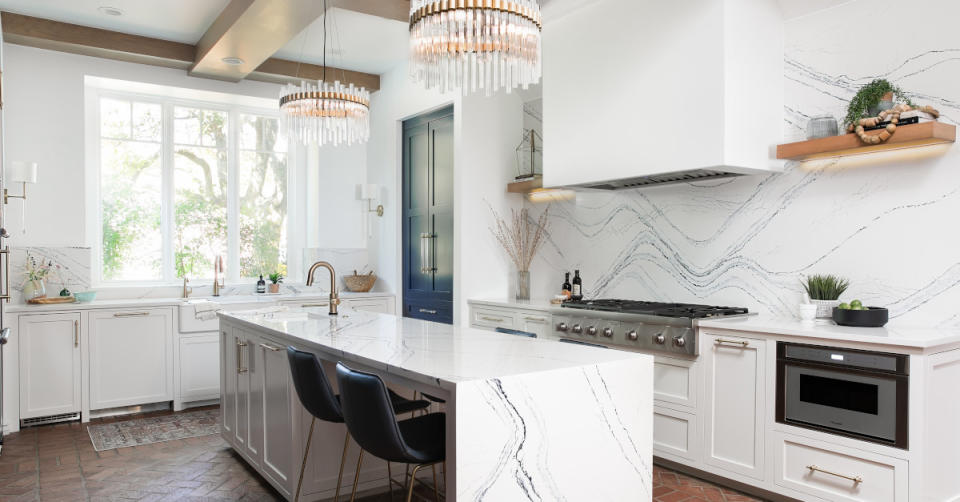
<point>363,43</point>
<point>178,20</point>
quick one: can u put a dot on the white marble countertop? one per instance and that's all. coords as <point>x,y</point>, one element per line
<point>166,302</point>
<point>433,353</point>
<point>897,336</point>
<point>540,304</point>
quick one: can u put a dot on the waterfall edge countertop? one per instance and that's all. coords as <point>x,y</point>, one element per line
<point>521,413</point>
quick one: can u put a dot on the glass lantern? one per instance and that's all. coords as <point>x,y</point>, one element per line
<point>530,155</point>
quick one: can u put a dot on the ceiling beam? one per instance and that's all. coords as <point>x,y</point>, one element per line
<point>398,10</point>
<point>251,30</point>
<point>76,39</point>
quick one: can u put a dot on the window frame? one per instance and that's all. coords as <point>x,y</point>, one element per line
<point>167,220</point>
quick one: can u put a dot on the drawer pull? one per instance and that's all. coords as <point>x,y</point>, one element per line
<point>308,305</point>
<point>535,319</point>
<point>270,347</point>
<point>724,341</point>
<point>131,314</point>
<point>856,479</point>
<point>428,311</point>
<point>492,319</point>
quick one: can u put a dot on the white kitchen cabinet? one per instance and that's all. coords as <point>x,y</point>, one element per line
<point>538,324</point>
<point>50,364</point>
<point>675,381</point>
<point>492,317</point>
<point>275,410</point>
<point>676,435</point>
<point>735,403</point>
<point>130,357</point>
<point>228,384</point>
<point>199,367</point>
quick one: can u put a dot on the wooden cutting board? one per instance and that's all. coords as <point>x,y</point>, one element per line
<point>51,300</point>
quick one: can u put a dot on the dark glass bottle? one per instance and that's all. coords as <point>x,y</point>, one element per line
<point>261,285</point>
<point>566,289</point>
<point>577,291</point>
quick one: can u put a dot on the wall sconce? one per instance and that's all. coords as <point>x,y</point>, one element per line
<point>20,172</point>
<point>370,193</point>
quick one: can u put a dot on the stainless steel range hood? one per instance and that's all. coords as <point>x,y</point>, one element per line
<point>638,93</point>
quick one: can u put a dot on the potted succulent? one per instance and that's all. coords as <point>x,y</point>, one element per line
<point>275,279</point>
<point>824,291</point>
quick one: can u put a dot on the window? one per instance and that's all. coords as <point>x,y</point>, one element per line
<point>181,183</point>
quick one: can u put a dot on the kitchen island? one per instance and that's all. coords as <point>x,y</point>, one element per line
<point>526,418</point>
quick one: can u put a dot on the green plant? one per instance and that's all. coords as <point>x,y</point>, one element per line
<point>870,96</point>
<point>825,287</point>
<point>276,277</point>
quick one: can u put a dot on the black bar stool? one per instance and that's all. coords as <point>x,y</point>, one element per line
<point>318,398</point>
<point>365,403</point>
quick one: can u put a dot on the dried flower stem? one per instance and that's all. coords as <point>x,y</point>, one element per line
<point>520,237</point>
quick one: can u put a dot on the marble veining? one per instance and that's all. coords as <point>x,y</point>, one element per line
<point>884,221</point>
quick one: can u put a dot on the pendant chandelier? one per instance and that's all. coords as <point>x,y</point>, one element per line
<point>325,113</point>
<point>475,44</point>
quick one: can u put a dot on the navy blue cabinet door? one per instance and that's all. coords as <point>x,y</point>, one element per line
<point>428,217</point>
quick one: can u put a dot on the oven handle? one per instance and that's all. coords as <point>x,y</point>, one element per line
<point>856,479</point>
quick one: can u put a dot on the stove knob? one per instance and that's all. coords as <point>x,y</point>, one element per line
<point>592,331</point>
<point>632,335</point>
<point>577,328</point>
<point>658,338</point>
<point>608,332</point>
<point>679,341</point>
<point>562,326</point>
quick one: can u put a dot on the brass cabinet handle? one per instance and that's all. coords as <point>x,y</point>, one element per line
<point>270,347</point>
<point>492,319</point>
<point>76,333</point>
<point>5,256</point>
<point>131,314</point>
<point>240,346</point>
<point>535,319</point>
<point>742,343</point>
<point>856,479</point>
<point>428,311</point>
<point>308,305</point>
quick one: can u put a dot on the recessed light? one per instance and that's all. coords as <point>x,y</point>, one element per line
<point>111,11</point>
<point>232,60</point>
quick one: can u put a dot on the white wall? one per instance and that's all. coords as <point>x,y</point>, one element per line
<point>485,132</point>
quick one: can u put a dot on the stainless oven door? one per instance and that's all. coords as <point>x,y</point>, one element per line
<point>861,403</point>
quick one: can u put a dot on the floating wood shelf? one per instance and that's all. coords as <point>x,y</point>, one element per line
<point>525,186</point>
<point>907,136</point>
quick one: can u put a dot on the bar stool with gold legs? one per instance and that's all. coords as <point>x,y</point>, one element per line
<point>365,402</point>
<point>318,398</point>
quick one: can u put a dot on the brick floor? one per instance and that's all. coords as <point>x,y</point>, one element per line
<point>58,462</point>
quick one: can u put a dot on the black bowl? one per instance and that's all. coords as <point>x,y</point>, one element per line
<point>873,317</point>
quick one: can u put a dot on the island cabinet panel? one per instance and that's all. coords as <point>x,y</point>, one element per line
<point>131,356</point>
<point>238,424</point>
<point>228,384</point>
<point>49,364</point>
<point>735,403</point>
<point>275,411</point>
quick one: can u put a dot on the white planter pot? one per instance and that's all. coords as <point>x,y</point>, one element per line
<point>825,308</point>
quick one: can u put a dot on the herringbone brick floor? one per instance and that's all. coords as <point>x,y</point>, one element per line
<point>58,462</point>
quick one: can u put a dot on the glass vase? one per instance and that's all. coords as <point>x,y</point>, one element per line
<point>34,289</point>
<point>523,285</point>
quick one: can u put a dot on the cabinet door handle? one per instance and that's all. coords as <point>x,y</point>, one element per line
<point>76,333</point>
<point>308,305</point>
<point>856,479</point>
<point>535,319</point>
<point>131,314</point>
<point>741,343</point>
<point>492,319</point>
<point>240,346</point>
<point>5,256</point>
<point>428,311</point>
<point>426,253</point>
<point>270,347</point>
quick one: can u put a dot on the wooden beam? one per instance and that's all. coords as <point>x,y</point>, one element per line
<point>76,39</point>
<point>251,30</point>
<point>398,10</point>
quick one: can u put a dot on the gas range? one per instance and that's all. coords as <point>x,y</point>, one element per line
<point>636,325</point>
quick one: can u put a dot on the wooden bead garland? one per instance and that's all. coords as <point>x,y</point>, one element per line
<point>894,115</point>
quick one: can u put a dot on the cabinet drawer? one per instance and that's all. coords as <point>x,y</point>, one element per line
<point>675,434</point>
<point>836,473</point>
<point>492,318</point>
<point>674,381</point>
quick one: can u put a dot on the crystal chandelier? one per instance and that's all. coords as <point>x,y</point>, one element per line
<point>475,44</point>
<point>325,113</point>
